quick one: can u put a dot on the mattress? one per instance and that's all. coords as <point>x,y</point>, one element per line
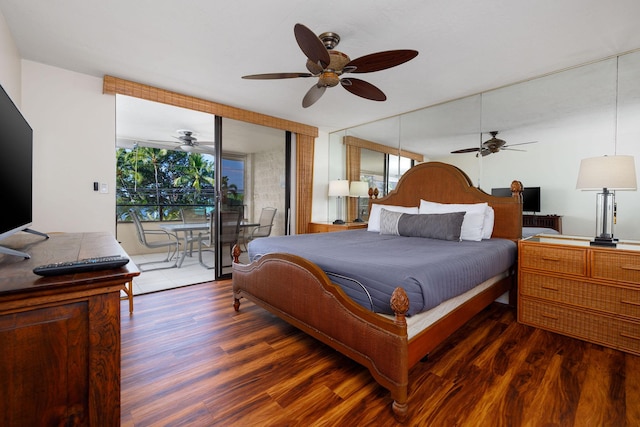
<point>368,266</point>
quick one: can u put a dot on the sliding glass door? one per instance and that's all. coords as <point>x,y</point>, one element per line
<point>251,178</point>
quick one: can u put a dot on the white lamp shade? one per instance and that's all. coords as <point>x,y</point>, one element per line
<point>338,188</point>
<point>359,189</point>
<point>610,172</point>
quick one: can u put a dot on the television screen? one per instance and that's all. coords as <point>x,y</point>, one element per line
<point>16,145</point>
<point>530,197</point>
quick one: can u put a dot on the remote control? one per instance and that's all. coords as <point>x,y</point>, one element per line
<point>81,265</point>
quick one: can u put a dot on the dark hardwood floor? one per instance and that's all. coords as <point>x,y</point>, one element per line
<point>189,360</point>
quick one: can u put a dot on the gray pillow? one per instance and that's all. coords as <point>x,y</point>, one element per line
<point>445,226</point>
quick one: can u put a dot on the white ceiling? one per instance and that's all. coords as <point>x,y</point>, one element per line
<point>203,47</point>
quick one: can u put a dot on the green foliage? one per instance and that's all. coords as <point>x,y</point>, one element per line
<point>161,181</point>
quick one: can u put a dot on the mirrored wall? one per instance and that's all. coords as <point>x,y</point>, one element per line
<point>548,124</point>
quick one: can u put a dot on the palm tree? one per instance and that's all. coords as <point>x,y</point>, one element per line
<point>198,173</point>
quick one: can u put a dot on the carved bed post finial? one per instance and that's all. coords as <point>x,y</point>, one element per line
<point>373,193</point>
<point>516,189</point>
<point>400,305</point>
<point>235,253</point>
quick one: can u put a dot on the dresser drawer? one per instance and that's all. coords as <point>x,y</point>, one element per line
<point>619,266</point>
<point>569,260</point>
<point>600,329</point>
<point>612,299</point>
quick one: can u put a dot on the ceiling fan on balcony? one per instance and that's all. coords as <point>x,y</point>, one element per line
<point>492,145</point>
<point>186,140</point>
<point>328,65</point>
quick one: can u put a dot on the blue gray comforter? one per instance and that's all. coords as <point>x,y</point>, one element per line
<point>369,266</point>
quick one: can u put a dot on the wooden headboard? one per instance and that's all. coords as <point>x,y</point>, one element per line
<point>445,183</point>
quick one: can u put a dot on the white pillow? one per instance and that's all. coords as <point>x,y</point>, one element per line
<point>489,220</point>
<point>472,225</point>
<point>374,215</point>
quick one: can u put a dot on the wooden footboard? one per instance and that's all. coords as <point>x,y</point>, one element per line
<point>299,292</point>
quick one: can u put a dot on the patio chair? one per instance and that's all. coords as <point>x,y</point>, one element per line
<point>230,223</point>
<point>192,215</point>
<point>154,239</point>
<point>267,216</point>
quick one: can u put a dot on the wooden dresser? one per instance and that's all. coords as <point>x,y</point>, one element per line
<point>587,292</point>
<point>545,221</point>
<point>60,335</point>
<point>325,227</point>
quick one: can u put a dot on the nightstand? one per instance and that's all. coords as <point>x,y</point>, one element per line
<point>326,226</point>
<point>586,292</point>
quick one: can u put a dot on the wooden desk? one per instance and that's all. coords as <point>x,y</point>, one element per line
<point>324,227</point>
<point>60,335</point>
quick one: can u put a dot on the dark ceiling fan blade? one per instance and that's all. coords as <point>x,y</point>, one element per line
<point>314,68</point>
<point>311,45</point>
<point>270,76</point>
<point>380,60</point>
<point>364,89</point>
<point>313,95</point>
<point>465,150</point>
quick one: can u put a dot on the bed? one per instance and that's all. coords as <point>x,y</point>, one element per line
<point>303,294</point>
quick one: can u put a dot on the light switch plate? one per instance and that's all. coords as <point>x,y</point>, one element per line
<point>104,188</point>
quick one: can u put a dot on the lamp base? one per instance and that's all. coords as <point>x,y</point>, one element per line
<point>338,221</point>
<point>604,241</point>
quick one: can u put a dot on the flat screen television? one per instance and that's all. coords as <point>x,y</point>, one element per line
<point>530,197</point>
<point>16,146</point>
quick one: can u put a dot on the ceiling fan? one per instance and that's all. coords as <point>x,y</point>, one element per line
<point>328,65</point>
<point>188,142</point>
<point>492,145</point>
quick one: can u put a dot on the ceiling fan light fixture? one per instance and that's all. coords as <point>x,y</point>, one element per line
<point>329,79</point>
<point>188,148</point>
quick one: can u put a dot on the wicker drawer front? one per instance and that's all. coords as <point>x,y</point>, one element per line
<point>612,299</point>
<point>557,259</point>
<point>616,265</point>
<point>591,327</point>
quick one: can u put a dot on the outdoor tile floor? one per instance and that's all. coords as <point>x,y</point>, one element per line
<point>190,273</point>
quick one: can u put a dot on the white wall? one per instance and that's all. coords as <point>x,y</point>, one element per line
<point>74,145</point>
<point>9,63</point>
<point>74,132</point>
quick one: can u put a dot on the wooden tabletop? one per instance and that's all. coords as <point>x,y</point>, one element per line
<point>16,273</point>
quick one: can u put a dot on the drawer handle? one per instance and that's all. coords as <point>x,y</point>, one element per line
<point>630,267</point>
<point>622,334</point>
<point>549,316</point>
<point>549,288</point>
<point>544,258</point>
<point>630,302</point>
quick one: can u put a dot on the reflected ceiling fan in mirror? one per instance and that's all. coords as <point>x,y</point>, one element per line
<point>492,145</point>
<point>328,65</point>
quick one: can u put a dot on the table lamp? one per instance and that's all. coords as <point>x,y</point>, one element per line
<point>359,189</point>
<point>604,174</point>
<point>339,188</point>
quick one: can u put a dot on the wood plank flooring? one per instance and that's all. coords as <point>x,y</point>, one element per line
<point>189,360</point>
